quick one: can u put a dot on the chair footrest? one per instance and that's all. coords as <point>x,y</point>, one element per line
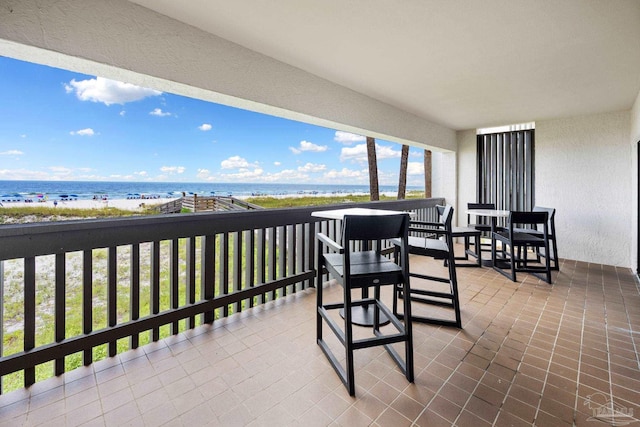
<point>432,278</point>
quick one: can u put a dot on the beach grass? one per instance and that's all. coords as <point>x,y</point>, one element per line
<point>302,201</point>
<point>23,214</point>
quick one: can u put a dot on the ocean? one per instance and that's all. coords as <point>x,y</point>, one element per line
<point>85,190</point>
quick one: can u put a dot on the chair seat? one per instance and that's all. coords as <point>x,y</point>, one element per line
<point>427,247</point>
<point>367,268</point>
<point>520,238</point>
<point>464,231</point>
<point>533,231</point>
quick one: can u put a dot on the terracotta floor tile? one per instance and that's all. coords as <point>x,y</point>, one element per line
<point>528,353</point>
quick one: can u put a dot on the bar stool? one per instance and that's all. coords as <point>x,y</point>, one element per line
<point>431,245</point>
<point>360,270</point>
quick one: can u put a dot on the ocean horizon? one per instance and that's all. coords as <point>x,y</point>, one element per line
<point>87,190</point>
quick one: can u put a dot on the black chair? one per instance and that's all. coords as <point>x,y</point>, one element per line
<point>466,233</point>
<point>553,245</point>
<point>514,242</point>
<point>483,225</point>
<point>433,239</point>
<point>362,270</point>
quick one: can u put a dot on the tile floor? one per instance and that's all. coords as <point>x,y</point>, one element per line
<point>528,354</point>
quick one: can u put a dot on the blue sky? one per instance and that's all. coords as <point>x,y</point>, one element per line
<point>61,125</point>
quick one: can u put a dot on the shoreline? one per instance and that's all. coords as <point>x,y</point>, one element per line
<point>140,204</point>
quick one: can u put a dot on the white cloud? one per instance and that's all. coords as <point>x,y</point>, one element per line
<point>204,174</point>
<point>204,127</point>
<point>415,168</point>
<point>122,113</point>
<point>172,169</point>
<point>237,162</point>
<point>359,153</point>
<point>277,163</point>
<point>11,153</point>
<point>108,91</point>
<point>244,174</point>
<point>141,173</point>
<point>83,132</point>
<point>25,174</point>
<point>311,167</point>
<point>286,175</point>
<point>348,138</point>
<point>308,146</point>
<point>158,112</point>
<point>357,175</point>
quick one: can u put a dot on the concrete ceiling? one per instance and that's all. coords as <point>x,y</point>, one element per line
<point>460,63</point>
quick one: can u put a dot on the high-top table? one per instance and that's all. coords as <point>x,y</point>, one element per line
<point>360,315</point>
<point>494,214</point>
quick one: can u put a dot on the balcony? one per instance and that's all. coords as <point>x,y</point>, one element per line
<point>234,355</point>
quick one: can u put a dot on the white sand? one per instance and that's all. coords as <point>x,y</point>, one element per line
<point>127,204</point>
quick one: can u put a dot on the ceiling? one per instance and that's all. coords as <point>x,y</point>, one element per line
<point>460,63</point>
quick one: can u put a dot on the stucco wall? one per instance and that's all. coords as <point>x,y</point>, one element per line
<point>635,139</point>
<point>444,177</point>
<point>583,169</point>
<point>466,172</point>
<point>123,41</point>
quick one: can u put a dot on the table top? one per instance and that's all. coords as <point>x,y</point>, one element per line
<point>497,213</point>
<point>340,213</point>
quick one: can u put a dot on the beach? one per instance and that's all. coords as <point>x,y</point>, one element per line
<point>125,204</point>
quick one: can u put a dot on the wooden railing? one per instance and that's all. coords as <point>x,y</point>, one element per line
<point>197,203</point>
<point>78,291</point>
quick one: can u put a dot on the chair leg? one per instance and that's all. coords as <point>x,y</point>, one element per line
<point>319,300</point>
<point>512,263</point>
<point>348,344</point>
<point>408,330</point>
<point>453,281</point>
<point>547,262</point>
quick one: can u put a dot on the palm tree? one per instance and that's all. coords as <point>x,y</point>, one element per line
<point>427,174</point>
<point>402,184</point>
<point>374,191</point>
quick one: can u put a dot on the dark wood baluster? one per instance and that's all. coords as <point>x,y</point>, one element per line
<point>249,265</point>
<point>60,307</point>
<point>282,256</point>
<point>191,278</point>
<point>223,281</point>
<point>87,301</point>
<point>209,274</point>
<point>134,298</point>
<point>155,286</point>
<point>237,268</point>
<point>29,315</point>
<point>174,290</point>
<point>290,253</point>
<point>261,256</point>
<point>112,295</point>
<point>271,258</point>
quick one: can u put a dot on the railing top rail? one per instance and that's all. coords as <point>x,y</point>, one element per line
<point>25,240</point>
